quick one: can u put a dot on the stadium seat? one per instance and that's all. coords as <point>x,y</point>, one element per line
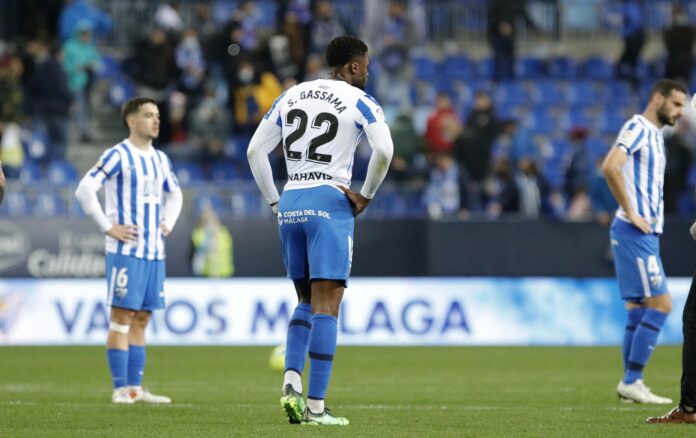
<point>30,173</point>
<point>485,67</point>
<point>48,205</point>
<point>611,120</point>
<point>511,93</point>
<point>458,67</point>
<point>583,93</point>
<point>208,201</point>
<point>111,68</point>
<point>62,173</point>
<point>246,204</point>
<point>619,93</point>
<point>424,67</point>
<point>598,68</point>
<point>542,121</point>
<point>189,173</point>
<point>120,91</point>
<point>15,204</point>
<point>422,93</point>
<point>223,171</point>
<point>562,67</point>
<point>530,67</point>
<point>547,93</point>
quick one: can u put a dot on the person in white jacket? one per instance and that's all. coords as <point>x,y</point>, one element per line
<point>142,202</point>
<point>320,123</point>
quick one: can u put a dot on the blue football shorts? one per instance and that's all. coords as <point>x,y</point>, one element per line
<point>133,283</point>
<point>637,261</point>
<point>316,233</point>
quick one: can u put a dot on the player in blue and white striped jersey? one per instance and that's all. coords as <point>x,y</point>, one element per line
<point>143,201</point>
<point>635,172</point>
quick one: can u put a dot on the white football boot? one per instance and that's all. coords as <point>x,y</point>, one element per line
<point>639,393</point>
<point>121,395</point>
<point>138,394</point>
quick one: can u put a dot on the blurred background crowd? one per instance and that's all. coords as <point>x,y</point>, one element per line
<point>497,107</point>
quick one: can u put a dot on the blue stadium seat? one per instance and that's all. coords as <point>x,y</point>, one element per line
<point>246,204</point>
<point>30,173</point>
<point>62,173</point>
<point>223,171</point>
<point>485,68</point>
<point>611,120</point>
<point>111,68</point>
<point>458,67</point>
<point>530,67</point>
<point>583,93</point>
<point>15,204</point>
<point>542,121</point>
<point>189,173</point>
<point>562,67</point>
<point>619,93</point>
<point>598,68</point>
<point>48,205</point>
<point>597,147</point>
<point>424,67</point>
<point>547,93</point>
<point>511,93</point>
<point>120,91</point>
<point>580,116</point>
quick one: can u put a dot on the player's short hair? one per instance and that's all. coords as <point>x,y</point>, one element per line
<point>666,86</point>
<point>132,106</point>
<point>341,50</point>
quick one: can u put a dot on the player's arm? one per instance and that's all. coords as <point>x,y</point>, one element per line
<point>173,200</point>
<point>611,167</point>
<point>2,184</point>
<point>265,139</point>
<point>86,195</point>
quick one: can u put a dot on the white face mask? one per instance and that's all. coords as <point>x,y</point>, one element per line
<point>245,76</point>
<point>681,20</point>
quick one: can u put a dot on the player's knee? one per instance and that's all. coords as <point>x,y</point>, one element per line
<point>140,320</point>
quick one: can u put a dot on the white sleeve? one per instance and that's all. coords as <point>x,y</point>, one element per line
<point>380,140</point>
<point>86,194</point>
<point>267,136</point>
<point>173,198</point>
<point>173,201</point>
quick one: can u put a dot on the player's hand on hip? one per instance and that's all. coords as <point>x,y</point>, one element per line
<point>165,230</point>
<point>357,201</point>
<point>639,222</point>
<point>124,233</point>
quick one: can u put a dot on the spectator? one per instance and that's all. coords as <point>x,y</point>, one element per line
<point>210,126</point>
<point>442,192</point>
<point>442,127</point>
<point>48,98</point>
<point>473,147</point>
<point>326,26</point>
<point>502,23</point>
<point>501,190</point>
<point>191,63</point>
<point>579,168</point>
<point>408,148</point>
<point>81,60</point>
<point>679,160</point>
<point>603,203</point>
<point>153,64</point>
<point>11,114</point>
<point>212,247</point>
<point>254,95</point>
<point>634,38</point>
<point>78,11</point>
<point>679,41</point>
<point>168,18</point>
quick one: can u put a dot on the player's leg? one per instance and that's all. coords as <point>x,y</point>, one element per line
<point>635,314</point>
<point>645,338</point>
<point>293,242</point>
<point>326,300</point>
<point>153,273</point>
<point>117,352</point>
<point>686,411</point>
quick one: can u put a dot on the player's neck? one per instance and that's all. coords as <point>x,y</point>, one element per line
<point>651,116</point>
<point>140,143</point>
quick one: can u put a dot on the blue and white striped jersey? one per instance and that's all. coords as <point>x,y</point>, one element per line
<point>644,171</point>
<point>134,181</point>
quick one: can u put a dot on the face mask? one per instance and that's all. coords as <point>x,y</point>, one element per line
<point>681,20</point>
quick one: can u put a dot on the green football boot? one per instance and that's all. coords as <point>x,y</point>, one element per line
<point>293,404</point>
<point>326,418</point>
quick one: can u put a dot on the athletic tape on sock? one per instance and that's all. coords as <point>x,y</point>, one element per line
<point>119,328</point>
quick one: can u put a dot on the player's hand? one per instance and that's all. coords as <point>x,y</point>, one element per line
<point>357,201</point>
<point>165,230</point>
<point>639,222</point>
<point>692,230</point>
<point>124,233</point>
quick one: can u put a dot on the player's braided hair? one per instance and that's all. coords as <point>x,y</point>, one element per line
<point>343,49</point>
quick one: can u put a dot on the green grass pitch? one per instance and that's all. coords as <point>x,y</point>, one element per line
<point>385,392</point>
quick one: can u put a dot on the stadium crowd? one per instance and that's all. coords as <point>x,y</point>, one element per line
<point>474,138</point>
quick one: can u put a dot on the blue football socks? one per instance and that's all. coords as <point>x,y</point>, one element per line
<point>644,342</point>
<point>118,364</point>
<point>322,347</point>
<point>635,315</point>
<point>136,364</point>
<point>297,342</point>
